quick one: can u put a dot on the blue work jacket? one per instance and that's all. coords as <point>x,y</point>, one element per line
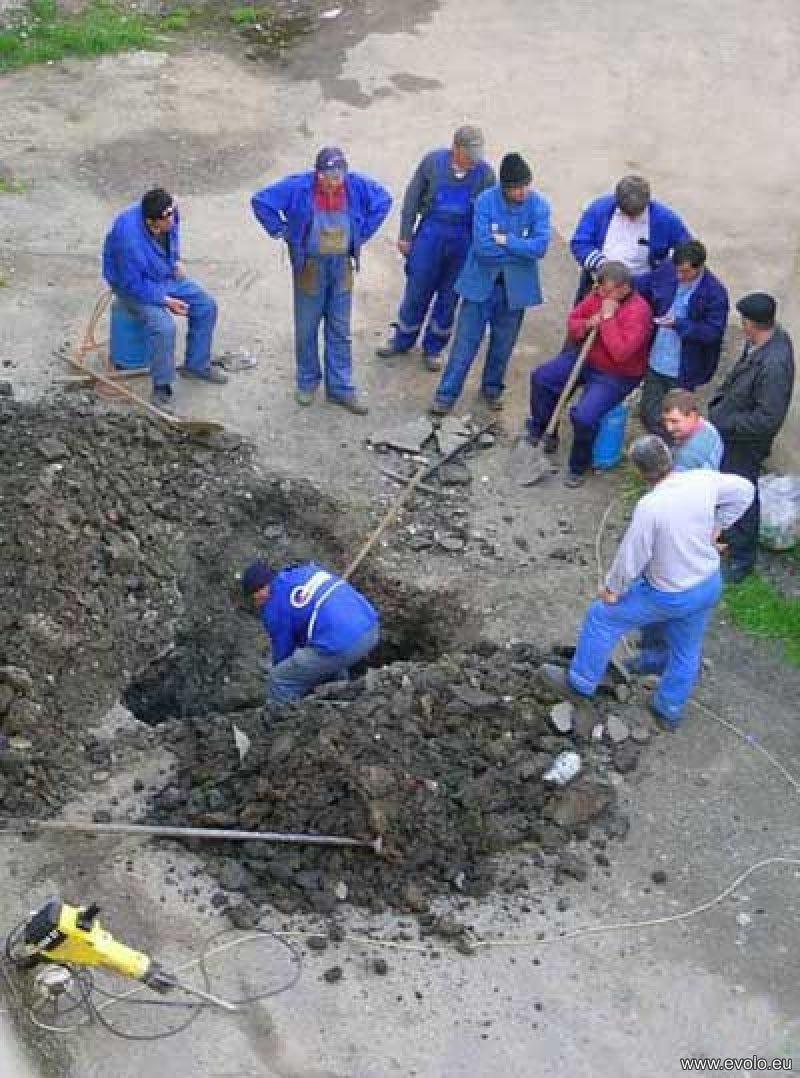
<point>285,210</point>
<point>702,330</point>
<point>666,231</point>
<point>527,226</point>
<point>134,262</point>
<point>308,606</point>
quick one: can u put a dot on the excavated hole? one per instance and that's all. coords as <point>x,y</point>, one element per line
<point>215,665</point>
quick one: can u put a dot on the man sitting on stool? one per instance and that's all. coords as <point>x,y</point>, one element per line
<point>614,366</point>
<point>318,624</point>
<point>141,263</point>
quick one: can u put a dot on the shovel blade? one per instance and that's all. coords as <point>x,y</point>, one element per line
<point>527,464</point>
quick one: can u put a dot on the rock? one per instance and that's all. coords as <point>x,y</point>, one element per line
<point>23,713</point>
<point>659,876</point>
<point>317,943</point>
<point>622,692</point>
<point>486,441</point>
<point>561,716</point>
<point>6,389</point>
<point>455,474</point>
<point>53,449</point>
<point>475,699</point>
<point>219,900</point>
<point>578,805</point>
<point>570,864</point>
<point>743,920</point>
<point>18,678</point>
<point>244,914</point>
<point>334,974</point>
<point>625,757</point>
<point>451,543</point>
<point>415,899</point>
<point>617,730</point>
<point>450,435</point>
<point>640,735</point>
<point>101,776</point>
<point>101,816</point>
<point>380,966</point>
<point>6,698</point>
<point>408,438</point>
<point>232,876</point>
<point>340,891</point>
<point>563,904</point>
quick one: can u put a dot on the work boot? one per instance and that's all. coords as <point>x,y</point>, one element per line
<point>440,408</point>
<point>494,404</point>
<point>211,374</point>
<point>556,679</point>
<point>386,351</point>
<point>304,397</point>
<point>352,404</point>
<point>163,398</point>
<point>433,363</point>
<point>572,480</point>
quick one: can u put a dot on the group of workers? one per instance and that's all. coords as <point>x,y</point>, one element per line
<point>648,311</point>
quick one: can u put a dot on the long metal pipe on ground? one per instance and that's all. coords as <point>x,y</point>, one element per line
<point>28,826</point>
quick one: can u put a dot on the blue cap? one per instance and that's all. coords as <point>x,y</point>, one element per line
<point>256,576</point>
<point>330,159</point>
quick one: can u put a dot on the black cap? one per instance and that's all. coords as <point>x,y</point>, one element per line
<point>514,171</point>
<point>757,307</point>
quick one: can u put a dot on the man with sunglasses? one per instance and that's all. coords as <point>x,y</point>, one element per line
<point>141,263</point>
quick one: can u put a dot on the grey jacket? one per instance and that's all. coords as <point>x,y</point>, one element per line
<point>751,404</point>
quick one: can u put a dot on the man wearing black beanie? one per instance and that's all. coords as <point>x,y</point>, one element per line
<point>500,278</point>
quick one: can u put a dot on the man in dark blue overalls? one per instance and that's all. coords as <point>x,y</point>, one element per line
<point>435,233</point>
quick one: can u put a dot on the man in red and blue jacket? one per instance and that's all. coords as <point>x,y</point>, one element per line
<point>691,312</point>
<point>325,217</point>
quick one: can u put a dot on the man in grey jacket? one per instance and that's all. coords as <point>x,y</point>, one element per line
<point>664,580</point>
<point>748,410</point>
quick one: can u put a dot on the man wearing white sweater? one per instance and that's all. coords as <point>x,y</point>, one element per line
<point>665,580</point>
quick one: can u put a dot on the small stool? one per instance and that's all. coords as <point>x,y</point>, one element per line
<point>127,347</point>
<point>610,439</point>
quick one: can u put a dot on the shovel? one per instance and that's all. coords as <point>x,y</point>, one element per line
<point>529,463</point>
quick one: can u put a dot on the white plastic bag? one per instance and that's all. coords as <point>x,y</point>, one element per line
<point>780,511</point>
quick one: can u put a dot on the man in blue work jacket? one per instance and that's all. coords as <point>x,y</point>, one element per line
<point>141,263</point>
<point>690,306</point>
<point>500,278</point>
<point>627,226</point>
<point>318,624</point>
<point>435,232</point>
<point>325,216</point>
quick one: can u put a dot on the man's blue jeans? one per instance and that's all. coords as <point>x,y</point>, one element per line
<point>673,625</point>
<point>473,318</point>
<point>323,290</point>
<point>601,393</point>
<point>308,667</point>
<point>435,260</point>
<point>159,329</point>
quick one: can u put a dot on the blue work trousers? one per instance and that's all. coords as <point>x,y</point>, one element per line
<point>159,329</point>
<point>601,393</point>
<point>308,667</point>
<point>435,260</point>
<point>323,292</point>
<point>673,625</point>
<point>473,318</point>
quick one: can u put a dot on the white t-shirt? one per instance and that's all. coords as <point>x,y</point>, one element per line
<point>622,242</point>
<point>670,540</point>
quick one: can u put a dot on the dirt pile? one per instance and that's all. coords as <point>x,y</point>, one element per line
<point>444,760</point>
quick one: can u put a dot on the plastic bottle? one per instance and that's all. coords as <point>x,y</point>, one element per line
<point>563,769</point>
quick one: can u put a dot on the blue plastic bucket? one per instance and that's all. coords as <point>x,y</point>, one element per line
<point>610,439</point>
<point>127,346</point>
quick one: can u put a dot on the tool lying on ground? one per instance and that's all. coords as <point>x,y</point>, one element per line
<point>52,959</point>
<point>425,471</point>
<point>59,938</point>
<point>76,826</point>
<point>115,384</point>
<point>529,463</point>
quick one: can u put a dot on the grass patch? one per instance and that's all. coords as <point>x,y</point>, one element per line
<point>756,606</point>
<point>10,186</point>
<point>631,488</point>
<point>44,34</point>
<point>180,19</point>
<point>246,16</point>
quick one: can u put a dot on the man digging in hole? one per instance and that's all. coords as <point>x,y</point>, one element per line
<point>141,263</point>
<point>665,580</point>
<point>318,624</point>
